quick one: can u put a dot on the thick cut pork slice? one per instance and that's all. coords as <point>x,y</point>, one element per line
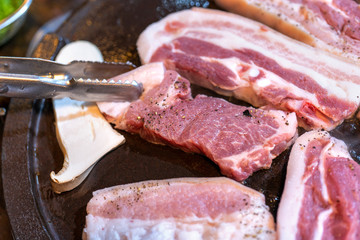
<point>237,56</point>
<point>329,25</point>
<point>183,209</point>
<point>239,139</point>
<point>321,199</point>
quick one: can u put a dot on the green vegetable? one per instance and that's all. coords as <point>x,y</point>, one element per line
<point>7,7</point>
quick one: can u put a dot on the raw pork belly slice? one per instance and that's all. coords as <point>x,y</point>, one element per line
<point>239,139</point>
<point>237,56</point>
<point>184,208</point>
<point>329,25</point>
<point>321,199</point>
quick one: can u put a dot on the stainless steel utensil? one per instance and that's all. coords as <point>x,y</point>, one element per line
<point>79,80</point>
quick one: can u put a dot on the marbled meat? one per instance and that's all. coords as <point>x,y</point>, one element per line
<point>236,56</point>
<point>184,208</point>
<point>329,25</point>
<point>240,140</point>
<point>321,199</point>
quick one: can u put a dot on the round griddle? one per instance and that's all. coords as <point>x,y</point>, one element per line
<point>31,151</point>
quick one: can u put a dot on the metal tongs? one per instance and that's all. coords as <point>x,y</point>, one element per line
<point>85,81</point>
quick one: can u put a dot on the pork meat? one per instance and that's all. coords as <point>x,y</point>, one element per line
<point>329,25</point>
<point>240,140</point>
<point>239,57</point>
<point>321,199</point>
<point>185,208</point>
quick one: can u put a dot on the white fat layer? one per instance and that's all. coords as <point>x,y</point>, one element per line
<point>263,82</point>
<point>322,170</point>
<point>233,64</point>
<point>82,132</point>
<point>232,226</point>
<point>329,2</point>
<point>295,6</point>
<point>150,75</point>
<point>154,72</point>
<point>323,216</point>
<point>254,72</point>
<point>288,53</point>
<point>338,149</point>
<point>269,6</point>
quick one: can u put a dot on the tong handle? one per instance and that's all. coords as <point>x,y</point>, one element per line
<point>30,66</point>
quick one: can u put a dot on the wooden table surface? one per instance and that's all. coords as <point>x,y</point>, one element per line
<point>40,12</point>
